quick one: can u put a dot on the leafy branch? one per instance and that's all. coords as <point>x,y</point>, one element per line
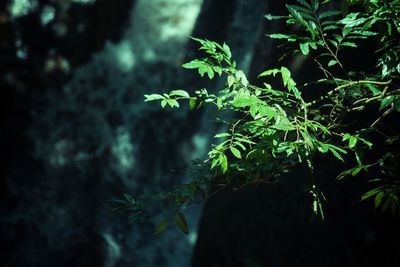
<point>276,129</point>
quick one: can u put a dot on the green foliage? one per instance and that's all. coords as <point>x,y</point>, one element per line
<point>276,128</point>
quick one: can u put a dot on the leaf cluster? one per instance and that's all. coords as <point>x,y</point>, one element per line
<point>276,128</point>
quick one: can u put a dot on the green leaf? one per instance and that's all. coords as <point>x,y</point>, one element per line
<point>283,124</point>
<point>269,72</point>
<point>343,174</point>
<point>329,13</point>
<point>227,50</point>
<point>153,97</point>
<point>245,141</point>
<point>335,151</point>
<point>332,62</point>
<point>351,44</point>
<point>214,163</point>
<point>240,145</point>
<point>267,111</point>
<point>307,140</point>
<point>254,110</point>
<point>330,27</point>
<point>313,45</point>
<point>224,162</point>
<point>289,82</point>
<point>397,104</point>
<point>374,90</point>
<point>217,70</point>
<point>307,13</point>
<point>315,4</point>
<point>272,17</point>
<point>304,48</point>
<point>304,3</point>
<point>210,73</point>
<point>181,93</point>
<point>386,102</point>
<point>173,103</point>
<point>346,31</point>
<point>231,80</point>
<point>378,199</point>
<point>372,192</point>
<point>129,199</point>
<point>285,75</point>
<point>281,36</point>
<point>194,64</point>
<point>202,70</point>
<point>181,222</point>
<point>235,152</point>
<point>242,77</point>
<point>192,103</point>
<point>297,16</point>
<point>160,227</point>
<point>222,135</point>
<point>163,103</point>
<point>356,170</point>
<point>323,148</point>
<point>335,43</point>
<point>352,142</point>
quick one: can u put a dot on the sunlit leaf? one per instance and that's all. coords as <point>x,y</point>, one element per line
<point>235,152</point>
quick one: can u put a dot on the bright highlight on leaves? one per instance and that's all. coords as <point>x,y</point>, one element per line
<point>275,128</point>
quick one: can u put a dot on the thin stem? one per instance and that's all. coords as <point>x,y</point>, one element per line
<point>326,46</point>
<point>349,84</point>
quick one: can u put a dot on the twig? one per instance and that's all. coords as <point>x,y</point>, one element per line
<point>387,112</point>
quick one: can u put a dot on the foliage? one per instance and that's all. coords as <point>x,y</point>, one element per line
<point>277,128</point>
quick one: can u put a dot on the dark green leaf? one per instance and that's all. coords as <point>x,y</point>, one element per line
<point>397,104</point>
<point>181,222</point>
<point>374,90</point>
<point>192,103</point>
<point>386,102</point>
<point>160,227</point>
<point>315,4</point>
<point>356,170</point>
<point>330,27</point>
<point>329,13</point>
<point>378,198</point>
<point>304,3</point>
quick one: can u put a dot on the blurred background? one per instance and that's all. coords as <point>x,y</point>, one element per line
<point>75,133</point>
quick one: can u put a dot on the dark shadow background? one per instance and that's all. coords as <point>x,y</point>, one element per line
<point>75,132</point>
